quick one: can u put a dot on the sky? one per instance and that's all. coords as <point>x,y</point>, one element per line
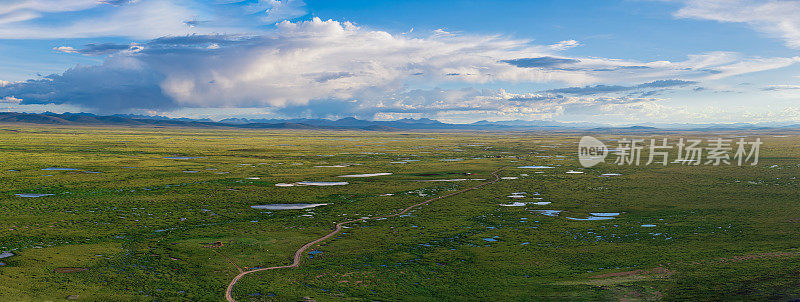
<point>612,62</point>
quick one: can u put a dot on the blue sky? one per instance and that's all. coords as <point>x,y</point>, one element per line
<point>618,62</point>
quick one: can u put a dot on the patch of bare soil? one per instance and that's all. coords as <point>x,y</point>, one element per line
<point>69,270</point>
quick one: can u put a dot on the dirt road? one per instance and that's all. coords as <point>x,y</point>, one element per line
<point>299,252</point>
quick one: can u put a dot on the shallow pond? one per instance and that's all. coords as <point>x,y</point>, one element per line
<point>596,216</point>
<point>367,175</point>
<point>322,183</point>
<point>288,206</point>
<point>33,195</point>
<point>312,253</point>
<point>551,213</point>
<point>590,218</point>
<point>446,180</point>
<point>605,214</point>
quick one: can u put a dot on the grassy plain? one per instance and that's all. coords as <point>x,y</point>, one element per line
<point>144,228</point>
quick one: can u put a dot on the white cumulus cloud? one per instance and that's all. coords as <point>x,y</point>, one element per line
<point>564,45</point>
<point>323,67</point>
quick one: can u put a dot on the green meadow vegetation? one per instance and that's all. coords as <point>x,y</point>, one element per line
<point>164,214</point>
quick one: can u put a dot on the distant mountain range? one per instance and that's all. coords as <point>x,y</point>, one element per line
<point>350,123</point>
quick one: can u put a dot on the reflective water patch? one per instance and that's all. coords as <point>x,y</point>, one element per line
<point>367,175</point>
<point>288,206</point>
<point>515,204</point>
<point>551,213</point>
<point>33,195</point>
<point>322,183</point>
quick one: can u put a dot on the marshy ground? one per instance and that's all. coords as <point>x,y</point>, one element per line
<point>99,214</point>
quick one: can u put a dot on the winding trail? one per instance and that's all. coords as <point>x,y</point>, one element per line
<point>299,252</point>
<point>229,260</point>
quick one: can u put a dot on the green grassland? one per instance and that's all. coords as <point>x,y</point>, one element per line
<point>144,229</point>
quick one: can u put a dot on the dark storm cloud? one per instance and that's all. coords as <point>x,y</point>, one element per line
<point>598,89</point>
<point>191,40</point>
<point>105,88</point>
<point>103,49</point>
<point>540,62</point>
<point>320,109</point>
